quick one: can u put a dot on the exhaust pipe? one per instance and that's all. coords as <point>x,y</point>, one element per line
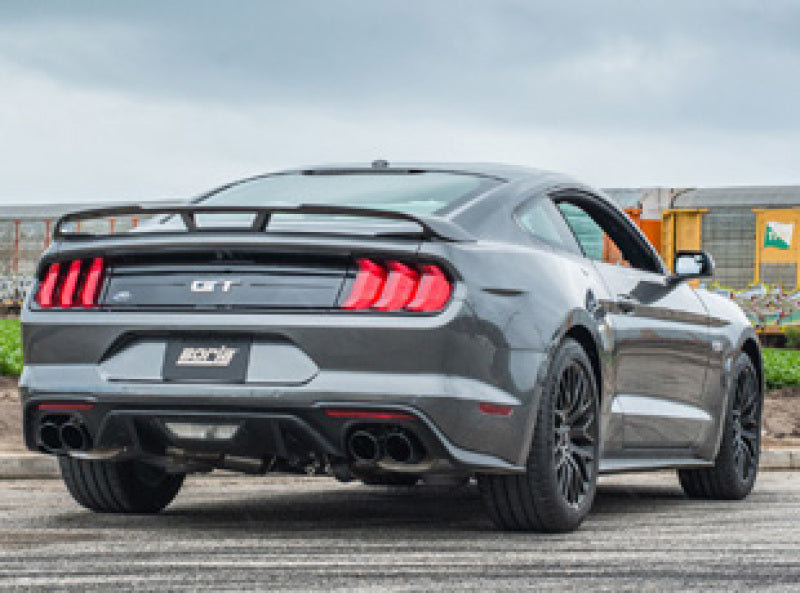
<point>364,446</point>
<point>401,449</point>
<point>50,437</point>
<point>73,436</point>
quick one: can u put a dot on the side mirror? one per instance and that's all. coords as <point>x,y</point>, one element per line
<point>691,264</point>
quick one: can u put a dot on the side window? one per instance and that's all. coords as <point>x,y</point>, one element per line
<point>596,244</point>
<point>604,236</point>
<point>541,219</point>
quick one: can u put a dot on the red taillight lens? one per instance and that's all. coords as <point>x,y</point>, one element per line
<point>70,284</point>
<point>433,291</point>
<point>48,286</point>
<point>401,284</point>
<point>73,289</point>
<point>91,287</point>
<point>368,285</point>
<point>398,286</point>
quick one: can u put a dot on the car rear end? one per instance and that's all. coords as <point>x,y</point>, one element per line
<point>192,349</point>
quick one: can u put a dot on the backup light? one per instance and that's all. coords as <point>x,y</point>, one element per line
<point>202,432</point>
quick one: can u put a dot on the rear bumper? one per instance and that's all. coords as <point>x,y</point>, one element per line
<point>447,418</point>
<point>438,368</point>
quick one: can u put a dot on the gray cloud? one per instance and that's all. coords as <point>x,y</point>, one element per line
<point>598,74</point>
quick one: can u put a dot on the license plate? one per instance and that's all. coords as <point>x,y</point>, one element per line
<point>216,361</point>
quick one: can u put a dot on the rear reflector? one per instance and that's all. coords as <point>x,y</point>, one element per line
<point>73,288</point>
<point>398,286</point>
<point>495,409</point>
<point>368,415</point>
<point>64,407</point>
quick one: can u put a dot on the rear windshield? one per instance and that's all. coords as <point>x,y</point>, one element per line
<point>412,193</point>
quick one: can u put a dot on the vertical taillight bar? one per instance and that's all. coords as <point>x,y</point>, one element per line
<point>70,284</point>
<point>367,286</point>
<point>400,287</point>
<point>48,286</point>
<point>91,287</point>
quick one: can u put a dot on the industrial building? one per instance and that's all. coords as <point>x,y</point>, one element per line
<point>750,232</point>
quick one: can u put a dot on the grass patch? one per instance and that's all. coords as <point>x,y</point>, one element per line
<point>781,368</point>
<point>10,348</point>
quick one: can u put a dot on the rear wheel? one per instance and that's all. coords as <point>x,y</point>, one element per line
<point>734,472</point>
<point>556,492</point>
<point>119,487</point>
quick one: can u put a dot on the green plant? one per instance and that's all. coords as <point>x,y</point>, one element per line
<point>10,347</point>
<point>781,368</point>
<point>792,337</point>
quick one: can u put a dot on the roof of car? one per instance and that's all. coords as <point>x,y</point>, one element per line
<point>499,171</point>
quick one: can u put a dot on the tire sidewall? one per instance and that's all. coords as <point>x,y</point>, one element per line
<point>725,458</point>
<point>541,466</point>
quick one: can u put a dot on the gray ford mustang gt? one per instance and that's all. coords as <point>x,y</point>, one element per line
<point>391,324</point>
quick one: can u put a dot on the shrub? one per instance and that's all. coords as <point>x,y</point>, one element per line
<point>781,368</point>
<point>10,347</point>
<point>792,337</point>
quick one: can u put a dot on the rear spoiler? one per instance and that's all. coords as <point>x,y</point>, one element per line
<point>432,227</point>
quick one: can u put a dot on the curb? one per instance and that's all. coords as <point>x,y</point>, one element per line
<point>34,466</point>
<point>28,466</point>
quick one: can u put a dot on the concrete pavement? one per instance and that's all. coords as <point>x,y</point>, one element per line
<point>240,533</point>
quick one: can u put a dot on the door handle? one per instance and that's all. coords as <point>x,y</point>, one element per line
<point>626,303</point>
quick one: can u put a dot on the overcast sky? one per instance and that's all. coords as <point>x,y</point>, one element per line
<point>137,100</point>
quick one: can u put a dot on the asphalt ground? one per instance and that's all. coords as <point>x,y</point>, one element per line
<point>244,533</point>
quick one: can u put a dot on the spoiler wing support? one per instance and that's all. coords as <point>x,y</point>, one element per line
<point>432,227</point>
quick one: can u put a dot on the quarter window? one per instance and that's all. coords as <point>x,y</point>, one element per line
<point>541,219</point>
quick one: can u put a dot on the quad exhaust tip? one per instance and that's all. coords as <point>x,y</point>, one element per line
<point>364,446</point>
<point>50,436</point>
<point>400,448</point>
<point>367,446</point>
<point>74,436</point>
<point>66,437</point>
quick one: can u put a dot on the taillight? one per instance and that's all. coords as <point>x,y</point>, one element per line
<point>79,286</point>
<point>398,286</point>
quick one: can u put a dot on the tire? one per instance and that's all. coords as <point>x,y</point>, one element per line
<point>391,480</point>
<point>119,487</point>
<point>734,472</point>
<point>557,490</point>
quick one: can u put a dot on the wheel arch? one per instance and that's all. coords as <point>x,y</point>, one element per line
<point>751,348</point>
<point>584,337</point>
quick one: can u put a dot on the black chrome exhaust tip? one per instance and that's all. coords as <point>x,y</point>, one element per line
<point>49,436</point>
<point>364,446</point>
<point>401,448</point>
<point>74,436</point>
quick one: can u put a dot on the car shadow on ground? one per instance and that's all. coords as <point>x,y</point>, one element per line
<point>424,510</point>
